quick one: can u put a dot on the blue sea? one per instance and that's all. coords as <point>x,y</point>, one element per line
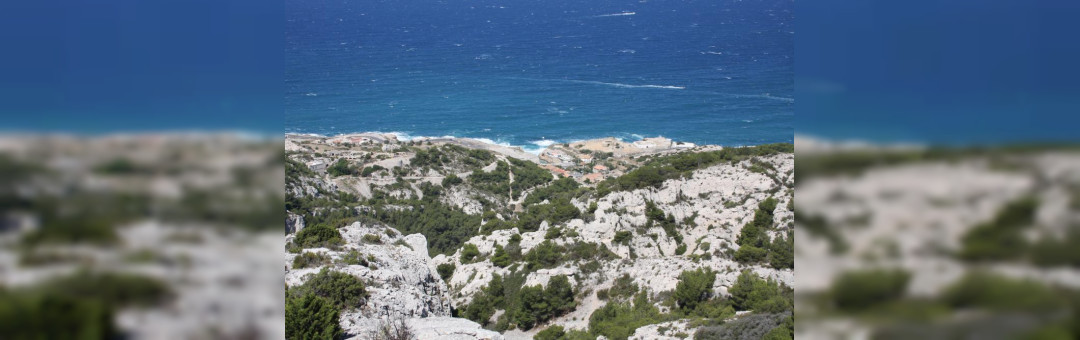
<point>532,73</point>
<point>94,67</point>
<point>939,72</point>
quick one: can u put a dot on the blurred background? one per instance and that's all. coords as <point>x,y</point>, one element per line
<point>141,170</point>
<point>937,170</point>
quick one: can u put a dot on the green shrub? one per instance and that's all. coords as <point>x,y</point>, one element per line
<point>681,249</point>
<point>753,238</point>
<point>623,287</point>
<point>1000,238</point>
<point>654,172</point>
<point>430,191</point>
<point>446,227</point>
<point>500,259</point>
<point>785,331</point>
<point>555,212</point>
<point>537,305</point>
<point>372,238</point>
<point>113,289</point>
<point>311,317</point>
<point>1054,251</point>
<point>547,254</point>
<point>493,297</point>
<point>309,259</point>
<point>716,309</point>
<point>354,257</point>
<point>980,289</point>
<point>469,253</point>
<point>753,293</point>
<point>525,307</point>
<point>35,316</point>
<point>479,310</point>
<point>446,271</point>
<point>750,254</point>
<point>118,166</point>
<point>342,290</point>
<point>319,235</point>
<point>530,308</point>
<point>622,237</point>
<point>75,229</point>
<point>550,333</point>
<point>559,295</point>
<point>526,175</point>
<point>76,306</point>
<point>618,320</point>
<point>859,290</point>
<point>693,288</point>
<point>782,252</point>
<point>602,294</point>
<point>367,171</point>
<point>451,180</point>
<point>553,233</point>
<point>768,205</point>
<point>341,168</point>
<point>818,226</point>
<point>559,188</point>
<point>588,251</point>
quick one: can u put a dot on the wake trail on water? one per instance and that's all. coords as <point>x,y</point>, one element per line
<point>750,96</point>
<point>593,82</point>
<point>620,14</point>
<point>667,87</point>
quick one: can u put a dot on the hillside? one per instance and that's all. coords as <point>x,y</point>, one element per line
<point>899,242</point>
<point>661,240</point>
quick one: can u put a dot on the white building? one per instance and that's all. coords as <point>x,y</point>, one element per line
<point>317,165</point>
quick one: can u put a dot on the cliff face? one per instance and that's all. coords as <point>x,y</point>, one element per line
<point>511,211</point>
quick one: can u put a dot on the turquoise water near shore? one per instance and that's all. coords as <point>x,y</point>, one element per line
<point>716,72</point>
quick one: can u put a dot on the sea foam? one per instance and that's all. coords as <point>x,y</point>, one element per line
<point>538,146</point>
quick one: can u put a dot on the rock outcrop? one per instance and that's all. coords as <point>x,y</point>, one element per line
<point>293,223</point>
<point>400,279</point>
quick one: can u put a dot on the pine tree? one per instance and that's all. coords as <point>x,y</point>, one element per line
<point>311,317</point>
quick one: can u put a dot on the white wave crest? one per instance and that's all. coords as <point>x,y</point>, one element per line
<point>401,136</point>
<point>493,142</point>
<point>543,143</point>
<point>620,14</point>
<point>619,85</point>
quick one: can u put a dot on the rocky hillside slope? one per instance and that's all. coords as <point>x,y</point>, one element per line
<point>661,245</point>
<point>902,242</point>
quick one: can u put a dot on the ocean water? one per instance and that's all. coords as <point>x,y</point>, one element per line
<point>939,72</point>
<point>92,67</point>
<point>534,73</point>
